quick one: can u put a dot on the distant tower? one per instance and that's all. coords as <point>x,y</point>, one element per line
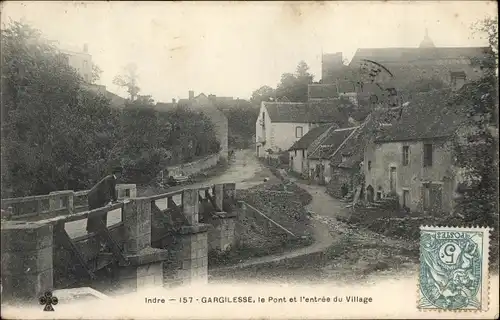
<point>427,42</point>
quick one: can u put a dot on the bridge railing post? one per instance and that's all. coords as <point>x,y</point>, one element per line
<point>190,205</point>
<point>221,235</point>
<point>219,196</point>
<point>136,217</point>
<point>27,260</point>
<point>62,199</point>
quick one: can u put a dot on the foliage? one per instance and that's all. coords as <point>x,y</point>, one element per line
<point>96,73</point>
<point>264,93</point>
<point>292,86</point>
<point>241,116</point>
<point>295,86</point>
<point>476,149</point>
<point>424,85</point>
<point>56,135</point>
<point>128,80</point>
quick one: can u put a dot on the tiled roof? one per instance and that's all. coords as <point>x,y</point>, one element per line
<point>330,143</point>
<point>412,54</point>
<point>309,137</point>
<point>428,115</point>
<point>323,91</point>
<point>354,146</point>
<point>310,112</point>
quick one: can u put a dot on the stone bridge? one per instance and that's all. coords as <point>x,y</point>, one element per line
<point>157,240</point>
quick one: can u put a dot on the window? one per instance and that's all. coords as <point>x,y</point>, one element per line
<point>295,152</point>
<point>427,155</point>
<point>85,64</point>
<point>457,78</point>
<point>369,165</point>
<point>303,153</point>
<point>298,132</point>
<point>87,78</point>
<point>406,155</point>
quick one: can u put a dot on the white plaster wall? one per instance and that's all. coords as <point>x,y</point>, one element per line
<point>411,176</point>
<point>77,61</point>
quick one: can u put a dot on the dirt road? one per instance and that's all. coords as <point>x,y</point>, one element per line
<point>244,170</point>
<point>323,210</point>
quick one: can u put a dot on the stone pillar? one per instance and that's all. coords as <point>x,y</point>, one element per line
<point>145,264</point>
<point>190,257</point>
<point>61,199</point>
<point>121,190</point>
<point>27,260</point>
<point>222,235</point>
<point>219,196</point>
<point>145,271</point>
<point>190,205</point>
<point>137,220</point>
<point>229,199</point>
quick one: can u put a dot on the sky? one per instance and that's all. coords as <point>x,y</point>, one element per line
<point>233,48</point>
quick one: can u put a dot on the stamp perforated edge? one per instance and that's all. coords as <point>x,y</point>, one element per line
<point>488,231</point>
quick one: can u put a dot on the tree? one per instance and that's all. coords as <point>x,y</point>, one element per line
<point>476,149</point>
<point>264,93</point>
<point>295,86</point>
<point>55,134</point>
<point>96,73</point>
<point>128,80</point>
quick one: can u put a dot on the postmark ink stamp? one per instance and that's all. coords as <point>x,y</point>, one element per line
<point>454,269</point>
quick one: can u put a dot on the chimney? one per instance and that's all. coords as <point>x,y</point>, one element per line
<point>86,48</point>
<point>191,94</point>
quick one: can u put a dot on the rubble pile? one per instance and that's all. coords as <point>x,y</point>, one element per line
<point>284,207</point>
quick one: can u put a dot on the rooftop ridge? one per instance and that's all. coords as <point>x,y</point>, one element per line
<point>344,129</point>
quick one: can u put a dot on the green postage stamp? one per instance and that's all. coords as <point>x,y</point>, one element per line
<point>454,269</point>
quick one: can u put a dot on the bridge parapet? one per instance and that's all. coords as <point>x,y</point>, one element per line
<point>55,203</point>
<point>160,240</point>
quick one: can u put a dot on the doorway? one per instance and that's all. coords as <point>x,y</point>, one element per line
<point>370,193</point>
<point>392,179</point>
<point>406,198</point>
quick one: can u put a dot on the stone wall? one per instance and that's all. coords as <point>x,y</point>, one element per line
<point>268,226</point>
<point>189,257</point>
<point>194,167</point>
<point>221,234</point>
<point>27,265</point>
<point>141,277</point>
<point>339,177</point>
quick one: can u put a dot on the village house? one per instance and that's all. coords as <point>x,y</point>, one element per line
<point>280,124</point>
<point>318,159</point>
<point>206,105</point>
<point>346,161</point>
<point>412,159</point>
<point>299,152</point>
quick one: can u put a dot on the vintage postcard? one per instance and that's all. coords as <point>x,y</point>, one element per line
<point>249,160</point>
